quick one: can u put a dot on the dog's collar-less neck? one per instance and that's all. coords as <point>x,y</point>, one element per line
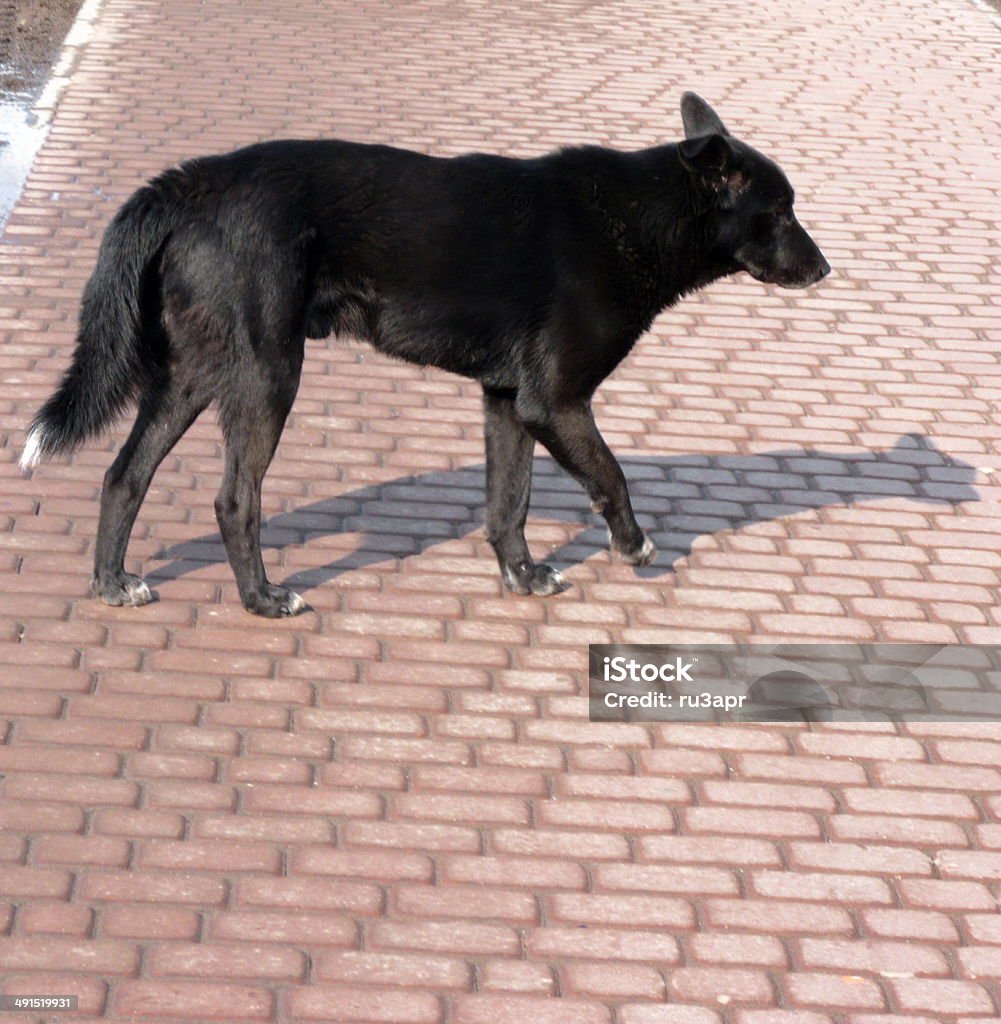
<point>672,254</point>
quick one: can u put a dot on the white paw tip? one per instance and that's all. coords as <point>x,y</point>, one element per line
<point>139,592</point>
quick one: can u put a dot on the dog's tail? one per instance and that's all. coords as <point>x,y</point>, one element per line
<point>111,364</point>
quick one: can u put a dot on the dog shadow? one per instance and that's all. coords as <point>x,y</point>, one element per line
<point>677,499</point>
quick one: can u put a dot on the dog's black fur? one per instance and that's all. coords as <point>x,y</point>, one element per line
<point>535,277</point>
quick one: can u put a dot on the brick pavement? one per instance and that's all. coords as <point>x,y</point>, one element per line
<point>393,809</point>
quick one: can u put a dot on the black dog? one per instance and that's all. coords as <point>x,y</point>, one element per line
<point>535,277</point>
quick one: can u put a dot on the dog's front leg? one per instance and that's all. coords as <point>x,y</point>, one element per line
<point>572,437</point>
<point>509,481</point>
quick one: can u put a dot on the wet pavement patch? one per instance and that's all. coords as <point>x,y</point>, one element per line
<point>20,136</point>
<point>31,34</point>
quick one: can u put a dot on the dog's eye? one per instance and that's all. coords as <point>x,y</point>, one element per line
<point>784,210</point>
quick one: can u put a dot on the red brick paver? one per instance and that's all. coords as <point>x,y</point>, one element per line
<point>393,808</point>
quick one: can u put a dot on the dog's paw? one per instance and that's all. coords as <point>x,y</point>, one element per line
<point>546,580</point>
<point>124,589</point>
<point>276,602</point>
<point>643,555</point>
<point>541,580</point>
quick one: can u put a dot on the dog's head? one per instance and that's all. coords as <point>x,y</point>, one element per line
<point>753,223</point>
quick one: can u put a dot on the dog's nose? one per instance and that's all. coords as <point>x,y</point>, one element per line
<point>823,270</point>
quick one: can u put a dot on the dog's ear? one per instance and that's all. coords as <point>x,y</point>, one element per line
<point>712,160</point>
<point>708,156</point>
<point>699,118</point>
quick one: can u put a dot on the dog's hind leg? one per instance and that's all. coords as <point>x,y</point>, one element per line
<point>509,480</point>
<point>253,417</point>
<point>163,417</point>
<point>572,438</point>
